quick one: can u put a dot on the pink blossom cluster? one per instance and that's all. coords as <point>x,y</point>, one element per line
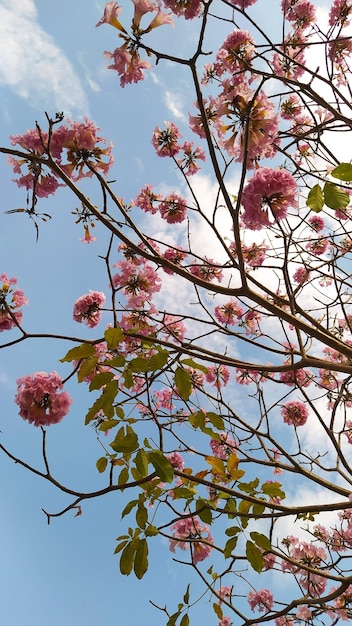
<point>138,281</point>
<point>87,308</point>
<point>10,300</point>
<point>262,600</point>
<point>166,144</point>
<point>311,555</point>
<point>295,413</point>
<point>74,147</point>
<point>126,60</point>
<point>269,193</point>
<point>40,400</point>
<point>218,376</point>
<point>229,313</point>
<point>172,208</point>
<point>189,532</point>
<point>176,460</point>
<point>189,9</point>
<point>223,448</point>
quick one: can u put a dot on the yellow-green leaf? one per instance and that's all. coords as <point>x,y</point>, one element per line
<point>141,559</point>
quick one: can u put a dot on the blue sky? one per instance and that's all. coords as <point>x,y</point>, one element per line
<point>52,60</point>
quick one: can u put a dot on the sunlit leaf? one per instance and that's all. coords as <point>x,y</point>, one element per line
<point>261,540</point>
<point>127,557</point>
<point>343,172</point>
<point>113,336</point>
<point>334,197</point>
<point>254,556</point>
<point>79,352</point>
<point>315,200</point>
<point>183,383</point>
<point>101,464</point>
<point>141,559</point>
<point>161,465</point>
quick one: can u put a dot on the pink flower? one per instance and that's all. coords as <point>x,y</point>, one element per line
<point>188,9</point>
<point>39,400</point>
<point>111,12</point>
<point>141,7</point>
<point>316,222</point>
<point>348,431</point>
<point>208,271</point>
<point>228,313</point>
<point>173,209</point>
<point>236,52</point>
<point>270,192</point>
<point>318,246</point>
<point>188,532</point>
<point>218,376</point>
<point>146,200</point>
<point>165,141</point>
<point>340,13</point>
<point>10,301</point>
<point>188,163</point>
<point>295,413</point>
<point>87,308</point>
<point>176,256</point>
<point>222,449</point>
<point>176,460</point>
<point>88,237</point>
<point>262,599</point>
<point>129,66</point>
<point>301,275</point>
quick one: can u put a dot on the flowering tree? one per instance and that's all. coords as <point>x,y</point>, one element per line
<point>220,408</point>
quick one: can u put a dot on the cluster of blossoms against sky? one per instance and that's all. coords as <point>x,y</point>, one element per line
<point>245,123</point>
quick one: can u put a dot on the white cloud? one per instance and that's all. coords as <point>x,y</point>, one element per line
<point>32,65</point>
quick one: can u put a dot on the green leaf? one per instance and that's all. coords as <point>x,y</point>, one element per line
<point>108,397</point>
<point>197,420</point>
<point>204,512</point>
<point>194,365</point>
<point>141,559</point>
<point>234,530</point>
<point>258,509</point>
<point>273,490</point>
<point>101,464</point>
<point>183,383</point>
<point>185,620</point>
<point>173,619</point>
<point>86,368</point>
<point>161,465</point>
<point>125,442</point>
<point>334,197</point>
<point>186,596</point>
<point>107,425</point>
<point>127,557</point>
<point>79,352</point>
<point>128,508</point>
<point>254,556</point>
<point>113,336</point>
<point>151,531</point>
<point>315,200</point>
<point>343,172</point>
<point>123,477</point>
<point>216,420</point>
<point>157,361</point>
<point>141,516</point>
<point>230,545</point>
<point>261,540</point>
<point>117,361</point>
<point>141,461</point>
<point>249,487</point>
<point>218,611</point>
<point>100,380</point>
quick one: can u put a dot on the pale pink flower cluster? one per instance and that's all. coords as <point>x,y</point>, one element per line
<point>269,193</point>
<point>290,61</point>
<point>295,413</point>
<point>86,309</point>
<point>340,13</point>
<point>40,400</point>
<point>10,300</point>
<point>138,281</point>
<point>165,142</point>
<point>218,375</point>
<point>229,313</point>
<point>301,275</point>
<point>163,399</point>
<point>261,600</point>
<point>189,9</point>
<point>126,60</point>
<point>172,208</point>
<point>299,377</point>
<point>301,13</point>
<point>190,532</point>
<point>176,256</point>
<point>207,271</point>
<point>223,448</point>
<point>311,555</point>
<point>176,460</point>
<point>75,148</point>
<point>172,326</point>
